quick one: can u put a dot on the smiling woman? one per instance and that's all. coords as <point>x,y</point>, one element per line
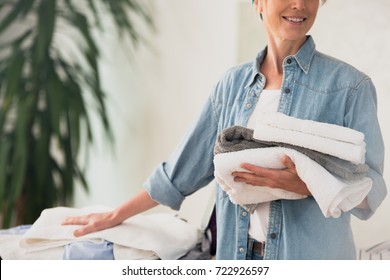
<point>314,87</point>
<point>291,77</point>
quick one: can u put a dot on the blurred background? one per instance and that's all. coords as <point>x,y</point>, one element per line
<point>155,90</point>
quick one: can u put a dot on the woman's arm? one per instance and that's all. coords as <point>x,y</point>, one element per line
<point>361,115</point>
<point>99,221</point>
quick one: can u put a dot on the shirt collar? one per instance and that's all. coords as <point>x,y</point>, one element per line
<point>303,57</point>
<point>305,54</point>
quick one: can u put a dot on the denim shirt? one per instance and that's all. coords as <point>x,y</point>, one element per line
<point>314,87</point>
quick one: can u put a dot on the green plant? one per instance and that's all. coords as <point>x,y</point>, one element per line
<point>46,97</point>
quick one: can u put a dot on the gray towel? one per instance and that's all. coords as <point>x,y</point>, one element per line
<point>237,138</point>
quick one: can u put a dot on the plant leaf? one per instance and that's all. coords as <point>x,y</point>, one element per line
<point>5,151</point>
<point>12,16</point>
<point>45,28</point>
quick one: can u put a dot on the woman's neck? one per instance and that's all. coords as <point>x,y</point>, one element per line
<point>272,66</point>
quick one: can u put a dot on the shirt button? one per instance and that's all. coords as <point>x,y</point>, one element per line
<point>241,250</point>
<point>287,90</point>
<point>248,105</point>
<point>289,61</point>
<point>273,235</point>
<point>244,213</point>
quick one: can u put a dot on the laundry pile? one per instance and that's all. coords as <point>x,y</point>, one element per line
<point>329,158</point>
<point>152,236</point>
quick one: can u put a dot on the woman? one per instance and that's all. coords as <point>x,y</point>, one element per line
<point>297,81</point>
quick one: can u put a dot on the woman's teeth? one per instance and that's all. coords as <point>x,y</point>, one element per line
<point>295,19</point>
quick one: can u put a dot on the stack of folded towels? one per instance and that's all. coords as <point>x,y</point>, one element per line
<point>328,158</point>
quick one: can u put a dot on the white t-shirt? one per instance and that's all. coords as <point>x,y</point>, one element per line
<point>258,223</point>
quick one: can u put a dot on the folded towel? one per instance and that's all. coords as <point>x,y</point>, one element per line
<point>11,250</point>
<point>167,236</point>
<point>321,137</point>
<point>237,138</point>
<point>326,130</point>
<point>332,194</point>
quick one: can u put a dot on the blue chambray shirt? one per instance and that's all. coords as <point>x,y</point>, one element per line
<point>315,87</point>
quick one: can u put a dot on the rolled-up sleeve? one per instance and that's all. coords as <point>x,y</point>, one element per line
<point>190,167</point>
<point>361,115</point>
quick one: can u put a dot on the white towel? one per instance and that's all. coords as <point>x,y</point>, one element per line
<point>332,194</point>
<point>243,194</point>
<point>11,250</point>
<point>163,234</point>
<point>342,142</point>
<point>321,129</point>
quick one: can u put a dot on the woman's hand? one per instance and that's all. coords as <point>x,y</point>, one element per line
<point>92,222</point>
<point>99,221</point>
<point>286,179</point>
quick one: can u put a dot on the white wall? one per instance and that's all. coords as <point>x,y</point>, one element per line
<point>156,94</point>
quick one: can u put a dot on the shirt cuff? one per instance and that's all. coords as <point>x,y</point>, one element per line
<point>162,190</point>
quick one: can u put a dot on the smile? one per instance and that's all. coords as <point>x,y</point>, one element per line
<point>295,19</point>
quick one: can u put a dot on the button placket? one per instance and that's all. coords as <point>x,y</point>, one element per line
<point>275,228</point>
<point>287,88</point>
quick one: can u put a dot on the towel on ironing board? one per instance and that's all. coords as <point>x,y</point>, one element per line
<point>160,234</point>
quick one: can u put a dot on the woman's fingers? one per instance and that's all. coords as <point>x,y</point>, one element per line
<point>286,179</point>
<point>79,220</point>
<point>287,161</point>
<point>90,223</point>
<point>83,231</point>
<point>256,176</point>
